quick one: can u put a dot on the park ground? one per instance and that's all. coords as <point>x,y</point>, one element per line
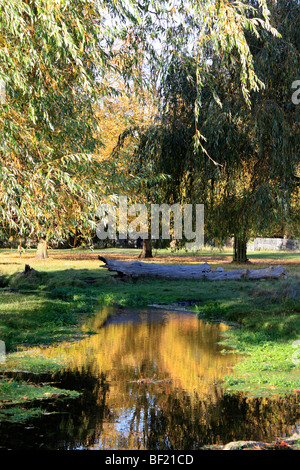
<point>52,302</point>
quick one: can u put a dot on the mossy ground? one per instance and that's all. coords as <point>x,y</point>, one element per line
<point>52,303</point>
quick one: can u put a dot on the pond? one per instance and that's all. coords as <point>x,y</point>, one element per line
<point>151,379</point>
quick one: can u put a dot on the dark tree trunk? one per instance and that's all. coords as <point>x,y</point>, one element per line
<point>147,249</point>
<point>240,250</point>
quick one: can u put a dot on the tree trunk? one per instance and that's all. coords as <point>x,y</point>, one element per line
<point>147,249</point>
<point>42,250</point>
<point>240,250</point>
<point>137,269</point>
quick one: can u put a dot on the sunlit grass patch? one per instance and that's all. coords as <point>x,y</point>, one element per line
<point>263,383</point>
<point>37,360</point>
<point>267,367</point>
<point>14,394</point>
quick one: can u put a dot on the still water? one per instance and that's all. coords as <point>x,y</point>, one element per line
<point>151,379</point>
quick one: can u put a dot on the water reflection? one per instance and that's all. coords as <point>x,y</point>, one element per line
<point>158,368</point>
<point>173,352</point>
<point>151,380</point>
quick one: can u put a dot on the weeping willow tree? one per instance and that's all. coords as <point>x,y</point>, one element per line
<point>56,56</point>
<point>234,151</point>
<point>253,184</point>
<point>188,35</point>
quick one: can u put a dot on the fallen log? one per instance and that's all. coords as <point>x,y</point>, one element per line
<point>197,271</point>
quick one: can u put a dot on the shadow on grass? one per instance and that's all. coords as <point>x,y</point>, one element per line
<point>46,307</point>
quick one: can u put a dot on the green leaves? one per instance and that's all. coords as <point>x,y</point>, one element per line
<point>59,59</point>
<point>52,54</point>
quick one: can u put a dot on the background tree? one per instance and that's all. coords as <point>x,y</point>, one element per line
<point>244,170</point>
<point>55,58</point>
<point>165,145</point>
<point>253,185</point>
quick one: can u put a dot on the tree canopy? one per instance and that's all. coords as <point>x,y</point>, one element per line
<point>245,168</point>
<point>56,57</point>
<point>256,147</point>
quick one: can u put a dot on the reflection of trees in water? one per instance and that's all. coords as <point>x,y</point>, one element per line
<point>176,349</point>
<point>79,423</point>
<point>172,421</point>
<point>117,412</point>
<point>191,355</point>
<point>180,424</point>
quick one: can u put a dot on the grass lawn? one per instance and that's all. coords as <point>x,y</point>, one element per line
<point>51,304</point>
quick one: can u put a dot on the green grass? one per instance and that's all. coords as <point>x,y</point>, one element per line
<point>53,303</point>
<point>268,313</point>
<point>48,307</point>
<point>20,392</point>
<point>30,319</point>
<point>15,395</point>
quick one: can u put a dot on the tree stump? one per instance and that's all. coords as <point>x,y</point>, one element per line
<point>41,252</point>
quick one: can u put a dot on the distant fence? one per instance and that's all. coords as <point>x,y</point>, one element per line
<point>274,244</point>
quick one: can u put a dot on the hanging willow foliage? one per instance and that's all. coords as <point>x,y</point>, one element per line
<point>245,170</point>
<point>254,190</point>
<point>55,57</point>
